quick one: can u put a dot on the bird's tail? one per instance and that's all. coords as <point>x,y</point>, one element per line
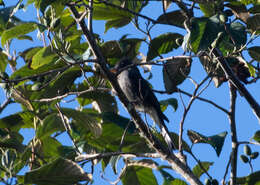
<point>166,135</point>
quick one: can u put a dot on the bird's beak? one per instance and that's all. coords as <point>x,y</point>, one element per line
<point>113,70</point>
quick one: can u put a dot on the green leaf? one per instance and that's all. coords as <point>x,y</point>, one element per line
<point>256,136</point>
<point>170,101</point>
<point>251,70</point>
<point>204,32</point>
<point>208,9</point>
<point>166,176</point>
<point>5,15</point>
<point>51,124</point>
<point>62,83</point>
<point>50,147</point>
<point>253,178</point>
<point>201,168</point>
<point>111,49</point>
<point>25,37</point>
<point>253,23</point>
<point>3,61</point>
<point>199,40</point>
<point>254,53</point>
<point>17,31</point>
<point>244,158</point>
<point>60,172</point>
<point>139,176</point>
<point>25,71</point>
<point>175,18</point>
<point>118,120</point>
<point>162,44</point>
<point>216,141</point>
<point>2,3</point>
<point>255,9</point>
<point>104,12</point>
<point>87,120</point>
<point>29,53</point>
<point>42,57</point>
<point>13,122</point>
<point>117,23</point>
<point>113,162</point>
<point>238,33</point>
<point>12,141</point>
<point>175,72</point>
<point>175,182</point>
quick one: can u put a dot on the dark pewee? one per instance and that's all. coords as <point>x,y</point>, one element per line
<point>139,93</point>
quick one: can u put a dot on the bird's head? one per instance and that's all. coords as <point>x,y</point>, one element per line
<point>121,64</point>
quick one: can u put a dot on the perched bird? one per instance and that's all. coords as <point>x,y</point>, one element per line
<point>140,94</point>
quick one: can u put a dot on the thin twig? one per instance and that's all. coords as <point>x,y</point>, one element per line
<point>67,127</point>
<point>205,100</point>
<point>77,93</point>
<point>226,171</point>
<point>235,81</point>
<point>124,134</point>
<point>187,108</point>
<point>5,103</point>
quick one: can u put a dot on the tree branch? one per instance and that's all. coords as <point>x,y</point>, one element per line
<point>110,154</point>
<point>235,81</point>
<point>233,96</point>
<point>176,164</point>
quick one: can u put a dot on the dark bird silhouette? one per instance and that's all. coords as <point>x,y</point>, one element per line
<point>139,93</point>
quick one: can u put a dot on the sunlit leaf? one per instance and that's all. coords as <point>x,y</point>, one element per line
<point>29,53</point>
<point>60,171</point>
<point>3,62</point>
<point>104,12</point>
<point>50,147</point>
<point>42,57</point>
<point>162,44</point>
<point>256,136</point>
<point>208,9</point>
<point>205,30</point>
<point>139,176</point>
<point>51,123</point>
<point>2,3</point>
<point>17,31</point>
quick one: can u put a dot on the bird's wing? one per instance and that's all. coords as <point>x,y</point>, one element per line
<point>144,91</point>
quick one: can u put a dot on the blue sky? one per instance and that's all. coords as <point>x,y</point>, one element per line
<point>202,117</point>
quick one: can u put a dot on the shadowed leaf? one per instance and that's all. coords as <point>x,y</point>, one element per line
<point>216,141</point>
